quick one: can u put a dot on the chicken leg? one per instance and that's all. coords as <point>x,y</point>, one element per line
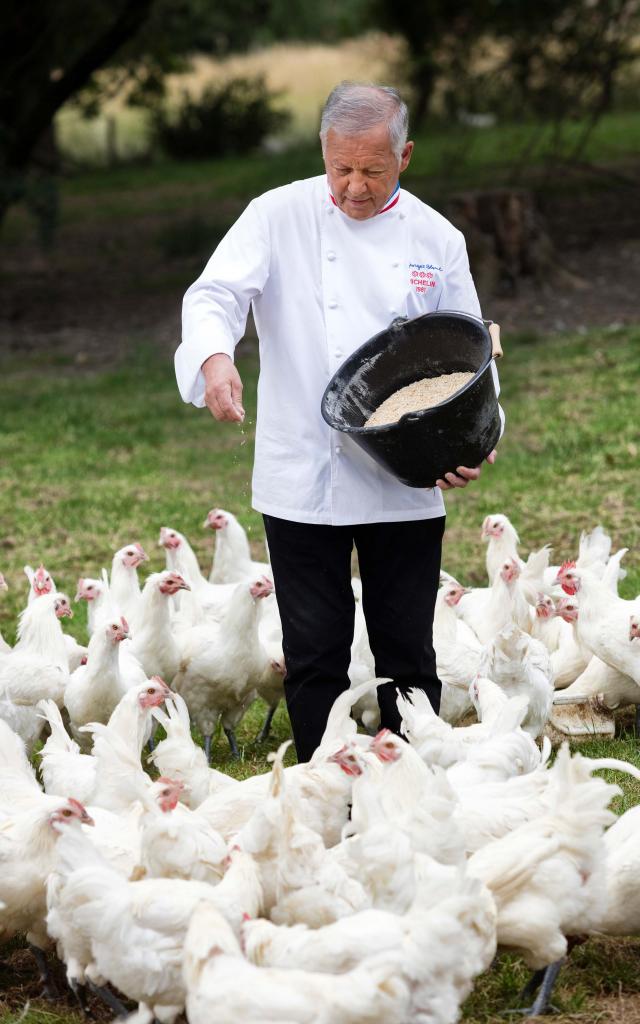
<point>266,726</point>
<point>80,995</point>
<point>546,979</point>
<point>109,998</point>
<point>49,987</point>
<point>231,736</point>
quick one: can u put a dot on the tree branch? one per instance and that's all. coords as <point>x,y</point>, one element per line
<point>126,25</point>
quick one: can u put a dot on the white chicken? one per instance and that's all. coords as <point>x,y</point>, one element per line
<point>416,798</point>
<point>323,786</point>
<point>270,683</point>
<point>439,743</point>
<point>374,850</point>
<point>107,776</point>
<point>362,666</point>
<point>41,582</point>
<point>178,757</point>
<point>498,757</point>
<point>449,912</point>
<point>136,930</point>
<point>620,911</point>
<point>37,667</point>
<point>488,611</point>
<point>502,545</point>
<point>232,560</point>
<point>124,584</point>
<point>300,882</point>
<point>610,688</point>
<point>65,769</point>
<point>521,666</point>
<point>27,851</point>
<point>176,842</point>
<point>95,688</point>
<point>547,626</point>
<point>205,600</point>
<point>100,602</point>
<point>603,620</point>
<point>153,642</point>
<point>102,607</point>
<point>215,970</point>
<point>458,652</point>
<point>572,657</point>
<point>546,875</point>
<point>31,825</point>
<point>220,664</point>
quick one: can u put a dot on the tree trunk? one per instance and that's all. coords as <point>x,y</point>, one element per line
<point>506,238</point>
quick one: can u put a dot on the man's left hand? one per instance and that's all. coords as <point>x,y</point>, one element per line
<point>463,475</point>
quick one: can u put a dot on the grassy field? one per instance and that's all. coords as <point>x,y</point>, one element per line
<point>90,461</point>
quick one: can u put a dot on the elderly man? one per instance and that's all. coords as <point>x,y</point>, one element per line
<point>326,263</point>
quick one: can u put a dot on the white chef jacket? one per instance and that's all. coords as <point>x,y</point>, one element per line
<point>320,284</point>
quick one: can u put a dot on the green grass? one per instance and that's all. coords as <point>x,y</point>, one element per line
<point>91,461</point>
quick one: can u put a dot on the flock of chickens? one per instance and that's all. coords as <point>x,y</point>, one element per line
<point>396,866</point>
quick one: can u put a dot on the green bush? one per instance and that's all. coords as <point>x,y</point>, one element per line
<point>234,117</point>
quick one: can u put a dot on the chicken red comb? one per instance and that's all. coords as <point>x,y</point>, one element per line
<point>382,734</point>
<point>124,622</point>
<point>569,564</point>
<point>139,546</point>
<point>76,803</point>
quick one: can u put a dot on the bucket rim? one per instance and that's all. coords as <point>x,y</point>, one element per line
<point>415,414</point>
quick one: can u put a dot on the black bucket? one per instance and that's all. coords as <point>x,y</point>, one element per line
<point>422,446</point>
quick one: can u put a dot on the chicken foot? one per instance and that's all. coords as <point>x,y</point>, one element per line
<point>266,725</point>
<point>546,979</point>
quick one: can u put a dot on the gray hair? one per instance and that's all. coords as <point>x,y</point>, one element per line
<point>355,107</point>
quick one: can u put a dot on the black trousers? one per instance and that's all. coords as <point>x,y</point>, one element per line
<point>399,567</point>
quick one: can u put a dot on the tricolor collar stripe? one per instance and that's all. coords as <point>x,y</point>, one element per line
<point>391,201</point>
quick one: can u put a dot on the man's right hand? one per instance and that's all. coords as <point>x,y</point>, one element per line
<point>223,388</point>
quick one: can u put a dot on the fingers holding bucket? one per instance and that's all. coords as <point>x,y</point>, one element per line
<point>463,475</point>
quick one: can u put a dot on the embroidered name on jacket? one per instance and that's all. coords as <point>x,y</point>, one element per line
<point>422,277</point>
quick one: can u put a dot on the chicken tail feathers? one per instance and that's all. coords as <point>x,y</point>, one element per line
<point>59,741</point>
<point>208,934</point>
<point>339,724</point>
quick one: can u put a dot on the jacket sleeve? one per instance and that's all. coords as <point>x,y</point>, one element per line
<point>216,306</point>
<point>459,294</point>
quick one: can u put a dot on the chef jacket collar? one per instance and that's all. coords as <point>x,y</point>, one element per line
<point>391,201</point>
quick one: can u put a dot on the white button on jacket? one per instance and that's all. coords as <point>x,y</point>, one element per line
<point>278,258</point>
